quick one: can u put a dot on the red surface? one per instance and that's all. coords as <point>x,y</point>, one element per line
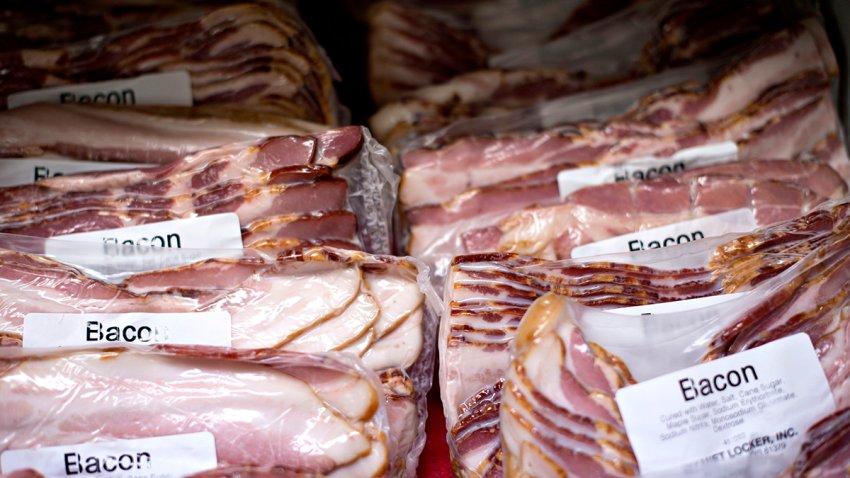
<point>434,462</point>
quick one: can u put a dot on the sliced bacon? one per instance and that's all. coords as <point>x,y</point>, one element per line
<point>809,298</point>
<point>142,134</point>
<point>434,176</point>
<point>800,48</point>
<point>251,205</point>
<point>331,405</point>
<point>218,37</point>
<point>600,212</point>
<point>410,48</point>
<point>825,452</point>
<point>770,60</point>
<point>333,225</point>
<point>553,360</point>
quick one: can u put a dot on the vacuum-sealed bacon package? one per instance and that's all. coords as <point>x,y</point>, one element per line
<point>768,73</point>
<point>181,410</point>
<point>286,296</point>
<point>728,389</point>
<point>628,216</point>
<point>622,216</point>
<point>487,296</point>
<point>256,56</point>
<point>334,185</point>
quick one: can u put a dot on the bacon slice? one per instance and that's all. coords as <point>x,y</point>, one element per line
<point>333,225</point>
<point>576,381</point>
<point>251,205</point>
<point>825,453</point>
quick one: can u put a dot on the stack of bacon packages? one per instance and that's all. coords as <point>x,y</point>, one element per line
<point>195,275</point>
<point>237,264</point>
<point>760,141</point>
<point>615,164</point>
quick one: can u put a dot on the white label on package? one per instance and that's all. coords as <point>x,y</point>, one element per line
<point>70,330</point>
<point>737,220</point>
<point>171,88</point>
<point>165,456</point>
<point>650,167</point>
<point>744,415</point>
<point>151,246</point>
<point>17,171</point>
<point>676,306</point>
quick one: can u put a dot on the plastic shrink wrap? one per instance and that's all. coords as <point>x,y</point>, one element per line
<point>488,294</point>
<point>256,56</point>
<point>285,296</point>
<point>196,409</point>
<point>336,185</point>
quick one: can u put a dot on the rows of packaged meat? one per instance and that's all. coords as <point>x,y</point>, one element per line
<point>615,235</point>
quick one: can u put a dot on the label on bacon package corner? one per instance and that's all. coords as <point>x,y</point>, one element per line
<point>160,457</point>
<point>649,167</point>
<point>737,220</point>
<point>173,88</point>
<point>70,330</point>
<point>151,246</point>
<point>17,171</point>
<point>745,415</point>
<point>684,305</point>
